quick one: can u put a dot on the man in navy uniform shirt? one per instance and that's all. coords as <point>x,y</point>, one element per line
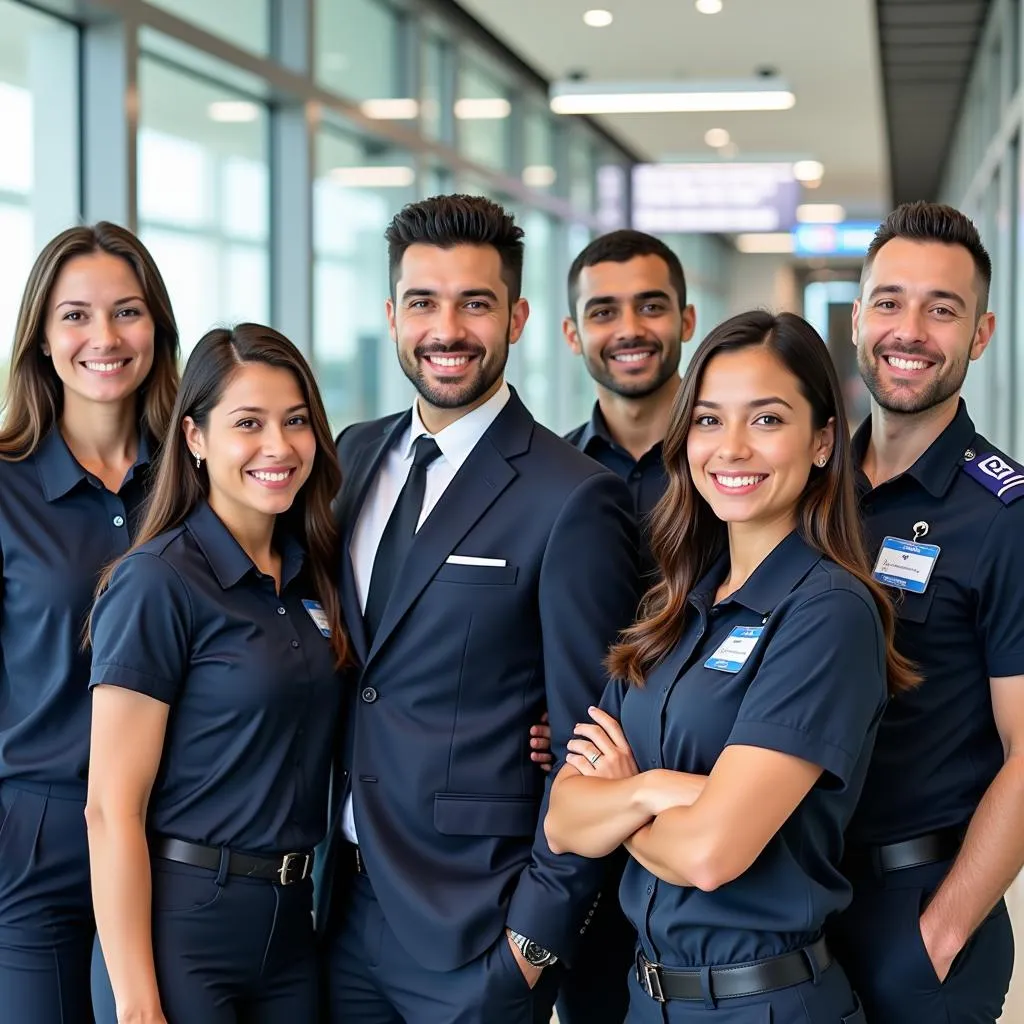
<point>939,832</point>
<point>474,602</point>
<point>628,319</point>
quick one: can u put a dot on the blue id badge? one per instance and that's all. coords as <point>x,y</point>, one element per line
<point>734,650</point>
<point>906,564</point>
<point>318,615</point>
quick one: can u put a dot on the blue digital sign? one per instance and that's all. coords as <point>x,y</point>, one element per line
<point>851,238</point>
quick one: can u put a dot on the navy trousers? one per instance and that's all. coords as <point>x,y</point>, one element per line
<point>879,940</point>
<point>826,1000</point>
<point>595,990</point>
<point>46,921</point>
<point>231,950</point>
<point>370,978</point>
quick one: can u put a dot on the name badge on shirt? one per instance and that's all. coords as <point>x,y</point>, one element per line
<point>905,564</point>
<point>318,615</point>
<point>734,650</point>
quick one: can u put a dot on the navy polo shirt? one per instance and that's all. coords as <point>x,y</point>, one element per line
<point>812,686</point>
<point>250,679</point>
<point>938,749</point>
<point>646,477</point>
<point>59,527</point>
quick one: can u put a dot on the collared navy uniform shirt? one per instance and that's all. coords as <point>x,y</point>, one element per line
<point>938,749</point>
<point>59,527</point>
<point>813,686</point>
<point>645,477</point>
<point>249,677</point>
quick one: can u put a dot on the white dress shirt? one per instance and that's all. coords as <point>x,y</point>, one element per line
<point>456,441</point>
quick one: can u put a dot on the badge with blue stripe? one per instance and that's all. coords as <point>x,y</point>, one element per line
<point>734,650</point>
<point>906,564</point>
<point>319,616</point>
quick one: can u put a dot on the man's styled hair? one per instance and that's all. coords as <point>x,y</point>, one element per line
<point>621,247</point>
<point>933,222</point>
<point>448,221</point>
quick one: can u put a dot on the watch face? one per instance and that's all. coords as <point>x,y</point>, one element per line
<point>536,955</point>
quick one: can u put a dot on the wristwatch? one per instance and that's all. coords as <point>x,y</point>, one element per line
<point>533,954</point>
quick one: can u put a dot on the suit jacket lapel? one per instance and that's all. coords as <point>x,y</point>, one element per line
<point>476,486</point>
<point>355,487</point>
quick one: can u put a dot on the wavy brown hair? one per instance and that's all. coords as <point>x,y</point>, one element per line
<point>179,486</point>
<point>35,395</point>
<point>688,538</point>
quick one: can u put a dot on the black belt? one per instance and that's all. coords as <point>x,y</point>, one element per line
<point>730,982</point>
<point>930,848</point>
<point>287,869</point>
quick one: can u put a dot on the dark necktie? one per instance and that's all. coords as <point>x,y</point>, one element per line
<point>399,533</point>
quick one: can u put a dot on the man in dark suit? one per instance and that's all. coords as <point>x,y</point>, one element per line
<point>628,319</point>
<point>486,566</point>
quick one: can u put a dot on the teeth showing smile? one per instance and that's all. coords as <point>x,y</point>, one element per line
<point>739,481</point>
<point>906,364</point>
<point>105,367</point>
<point>449,360</point>
<point>271,478</point>
<point>631,357</point>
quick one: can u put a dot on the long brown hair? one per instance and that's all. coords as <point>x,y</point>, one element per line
<point>688,538</point>
<point>180,486</point>
<point>35,395</point>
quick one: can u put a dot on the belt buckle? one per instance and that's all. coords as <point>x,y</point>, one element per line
<point>650,980</point>
<point>288,861</point>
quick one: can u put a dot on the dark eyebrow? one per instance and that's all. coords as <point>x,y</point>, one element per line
<point>88,305</point>
<point>758,403</point>
<point>612,300</point>
<point>936,293</point>
<point>253,408</point>
<point>469,293</point>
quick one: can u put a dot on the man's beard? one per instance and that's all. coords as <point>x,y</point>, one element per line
<point>899,400</point>
<point>466,392</point>
<point>603,375</point>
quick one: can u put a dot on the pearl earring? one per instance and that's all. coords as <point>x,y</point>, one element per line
<point>822,461</point>
<point>199,461</point>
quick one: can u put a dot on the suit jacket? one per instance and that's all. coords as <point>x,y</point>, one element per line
<point>448,806</point>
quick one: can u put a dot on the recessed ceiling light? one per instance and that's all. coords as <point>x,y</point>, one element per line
<point>709,6</point>
<point>598,18</point>
<point>572,97</point>
<point>808,170</point>
<point>233,111</point>
<point>716,137</point>
<point>820,213</point>
<point>767,242</point>
<point>482,109</point>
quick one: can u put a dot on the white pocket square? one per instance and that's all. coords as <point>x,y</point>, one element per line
<point>473,560</point>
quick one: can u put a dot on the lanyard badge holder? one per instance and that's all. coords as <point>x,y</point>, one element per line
<point>907,564</point>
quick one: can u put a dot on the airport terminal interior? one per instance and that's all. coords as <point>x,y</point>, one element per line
<point>259,147</point>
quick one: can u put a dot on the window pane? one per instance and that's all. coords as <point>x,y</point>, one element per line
<point>354,198</point>
<point>40,153</point>
<point>356,48</point>
<point>203,198</point>
<point>538,149</point>
<point>245,23</point>
<point>482,110</point>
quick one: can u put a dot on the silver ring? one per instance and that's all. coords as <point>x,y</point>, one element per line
<point>594,758</point>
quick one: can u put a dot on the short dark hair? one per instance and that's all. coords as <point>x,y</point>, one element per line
<point>934,222</point>
<point>621,247</point>
<point>448,221</point>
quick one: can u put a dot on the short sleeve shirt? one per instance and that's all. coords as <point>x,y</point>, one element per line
<point>813,686</point>
<point>250,679</point>
<point>59,528</point>
<point>938,749</point>
<point>646,477</point>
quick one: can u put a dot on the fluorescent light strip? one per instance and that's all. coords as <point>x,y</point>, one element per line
<point>373,177</point>
<point>670,102</point>
<point>769,242</point>
<point>820,213</point>
<point>482,109</point>
<point>233,111</point>
<point>404,109</point>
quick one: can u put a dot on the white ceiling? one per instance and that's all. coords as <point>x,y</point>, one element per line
<point>827,50</point>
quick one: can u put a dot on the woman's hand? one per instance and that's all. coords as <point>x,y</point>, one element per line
<point>599,749</point>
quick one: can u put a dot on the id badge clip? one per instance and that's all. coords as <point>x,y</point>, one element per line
<point>318,615</point>
<point>907,564</point>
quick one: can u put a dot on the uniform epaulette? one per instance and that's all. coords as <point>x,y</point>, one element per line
<point>997,473</point>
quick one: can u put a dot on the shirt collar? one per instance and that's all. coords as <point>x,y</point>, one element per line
<point>458,439</point>
<point>225,555</point>
<point>60,472</point>
<point>938,465</point>
<point>772,581</point>
<point>595,430</point>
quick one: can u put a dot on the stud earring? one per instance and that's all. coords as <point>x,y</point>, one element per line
<point>822,461</point>
<point>199,461</point>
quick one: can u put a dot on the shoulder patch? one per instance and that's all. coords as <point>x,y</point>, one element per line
<point>997,473</point>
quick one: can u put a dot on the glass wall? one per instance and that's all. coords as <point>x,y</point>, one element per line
<point>260,147</point>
